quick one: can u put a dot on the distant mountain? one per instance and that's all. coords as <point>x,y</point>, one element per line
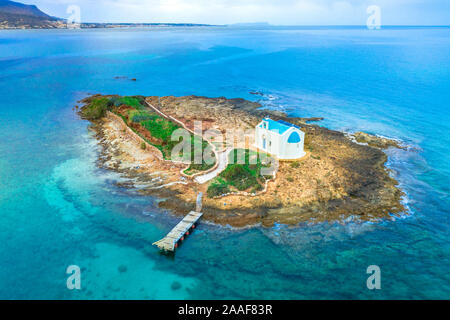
<point>19,15</point>
<point>12,7</point>
<point>15,15</point>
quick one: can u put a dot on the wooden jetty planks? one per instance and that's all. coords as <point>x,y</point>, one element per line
<point>169,241</point>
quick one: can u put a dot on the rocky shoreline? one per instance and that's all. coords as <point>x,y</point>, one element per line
<point>337,179</point>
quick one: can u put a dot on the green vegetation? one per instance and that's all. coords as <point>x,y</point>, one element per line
<point>198,146</point>
<point>140,116</point>
<point>217,188</point>
<point>96,108</point>
<point>136,102</point>
<point>241,175</point>
<point>295,164</point>
<point>143,146</point>
<point>159,127</point>
<point>141,119</point>
<point>162,129</point>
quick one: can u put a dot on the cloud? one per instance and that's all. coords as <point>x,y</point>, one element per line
<point>280,12</point>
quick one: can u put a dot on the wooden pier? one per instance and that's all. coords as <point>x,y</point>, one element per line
<point>182,229</point>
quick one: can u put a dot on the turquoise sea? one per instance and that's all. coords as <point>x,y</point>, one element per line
<point>57,208</point>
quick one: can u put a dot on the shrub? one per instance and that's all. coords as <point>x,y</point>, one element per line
<point>216,189</point>
<point>200,166</point>
<point>244,176</point>
<point>239,176</point>
<point>160,128</point>
<point>115,101</point>
<point>143,146</point>
<point>140,116</point>
<point>136,102</point>
<point>132,102</point>
<point>290,179</point>
<point>295,164</point>
<point>234,171</point>
<point>257,188</point>
<point>95,109</point>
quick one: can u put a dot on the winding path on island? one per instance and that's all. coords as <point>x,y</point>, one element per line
<point>222,158</point>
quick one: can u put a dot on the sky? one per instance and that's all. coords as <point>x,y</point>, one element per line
<point>276,12</point>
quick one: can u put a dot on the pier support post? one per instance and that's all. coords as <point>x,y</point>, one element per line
<point>199,202</point>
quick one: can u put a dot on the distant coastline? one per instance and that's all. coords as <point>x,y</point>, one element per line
<point>62,24</point>
<point>16,15</point>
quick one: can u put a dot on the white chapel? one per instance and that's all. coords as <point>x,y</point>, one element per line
<point>280,138</point>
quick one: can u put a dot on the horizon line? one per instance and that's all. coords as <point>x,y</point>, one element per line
<point>257,24</point>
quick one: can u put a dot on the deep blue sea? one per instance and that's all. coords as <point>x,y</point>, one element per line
<point>57,208</point>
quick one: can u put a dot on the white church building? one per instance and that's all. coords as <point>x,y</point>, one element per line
<point>280,138</point>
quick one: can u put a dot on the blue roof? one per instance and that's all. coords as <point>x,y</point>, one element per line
<point>288,124</point>
<point>279,126</point>
<point>294,137</point>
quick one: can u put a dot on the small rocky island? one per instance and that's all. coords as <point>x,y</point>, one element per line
<point>340,176</point>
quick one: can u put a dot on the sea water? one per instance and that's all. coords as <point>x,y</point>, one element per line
<point>57,208</point>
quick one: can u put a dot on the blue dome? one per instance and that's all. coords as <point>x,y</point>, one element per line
<point>294,138</point>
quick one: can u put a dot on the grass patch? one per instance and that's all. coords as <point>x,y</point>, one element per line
<point>136,102</point>
<point>295,164</point>
<point>217,188</point>
<point>162,129</point>
<point>95,108</point>
<point>239,175</point>
<point>199,146</point>
<point>138,116</point>
<point>158,127</point>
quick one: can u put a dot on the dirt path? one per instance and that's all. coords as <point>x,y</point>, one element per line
<point>222,158</point>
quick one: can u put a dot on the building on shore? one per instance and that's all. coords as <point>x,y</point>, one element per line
<point>280,138</point>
